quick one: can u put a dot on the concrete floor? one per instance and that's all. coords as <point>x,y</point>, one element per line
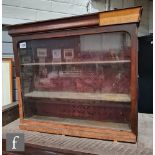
<point>144,145</point>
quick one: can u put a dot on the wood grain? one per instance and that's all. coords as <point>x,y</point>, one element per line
<point>63,23</point>
<point>21,111</point>
<point>131,15</point>
<point>82,122</point>
<point>134,83</point>
<point>78,130</point>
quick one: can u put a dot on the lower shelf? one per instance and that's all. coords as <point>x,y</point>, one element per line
<point>82,122</point>
<point>85,96</point>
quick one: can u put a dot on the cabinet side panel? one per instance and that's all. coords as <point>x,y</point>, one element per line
<point>134,80</point>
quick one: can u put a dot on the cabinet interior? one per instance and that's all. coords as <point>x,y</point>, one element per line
<point>80,79</point>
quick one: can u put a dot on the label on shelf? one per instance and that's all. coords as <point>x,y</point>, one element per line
<point>26,59</point>
<point>56,53</point>
<point>41,52</point>
<point>22,45</point>
<point>68,54</point>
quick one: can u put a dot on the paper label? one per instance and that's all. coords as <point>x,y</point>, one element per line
<point>68,53</point>
<point>56,53</point>
<point>22,45</point>
<point>26,59</point>
<point>41,52</point>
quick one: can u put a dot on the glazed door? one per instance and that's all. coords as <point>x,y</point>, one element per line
<point>80,79</point>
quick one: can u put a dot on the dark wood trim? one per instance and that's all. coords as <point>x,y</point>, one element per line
<point>10,113</point>
<point>71,22</point>
<point>74,32</point>
<point>16,56</point>
<point>21,110</point>
<point>134,81</point>
<point>9,106</point>
<point>18,82</point>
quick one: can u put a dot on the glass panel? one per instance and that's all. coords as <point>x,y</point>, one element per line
<point>80,77</point>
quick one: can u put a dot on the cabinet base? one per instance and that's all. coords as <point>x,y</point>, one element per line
<point>78,130</point>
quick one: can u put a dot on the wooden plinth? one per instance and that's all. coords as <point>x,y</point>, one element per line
<point>87,129</point>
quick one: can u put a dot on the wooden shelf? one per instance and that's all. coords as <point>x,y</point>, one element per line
<point>83,96</point>
<point>82,122</point>
<point>78,63</point>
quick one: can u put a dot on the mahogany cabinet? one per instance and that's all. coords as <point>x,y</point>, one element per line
<point>77,76</point>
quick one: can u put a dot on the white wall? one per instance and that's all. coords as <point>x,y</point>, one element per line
<point>23,11</point>
<point>19,11</point>
<point>7,43</point>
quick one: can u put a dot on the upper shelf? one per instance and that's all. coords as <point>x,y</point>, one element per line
<point>78,63</point>
<point>116,97</point>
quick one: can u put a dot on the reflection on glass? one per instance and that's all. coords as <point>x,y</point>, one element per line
<point>88,63</point>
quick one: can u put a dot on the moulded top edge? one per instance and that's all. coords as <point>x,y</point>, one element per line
<point>112,17</point>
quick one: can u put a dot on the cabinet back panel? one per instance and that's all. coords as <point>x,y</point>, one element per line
<point>82,109</point>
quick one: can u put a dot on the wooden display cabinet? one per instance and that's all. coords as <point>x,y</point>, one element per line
<point>77,76</point>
